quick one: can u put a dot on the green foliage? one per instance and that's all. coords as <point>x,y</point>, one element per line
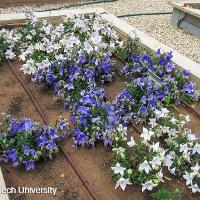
<point>3,47</point>
<point>163,194</point>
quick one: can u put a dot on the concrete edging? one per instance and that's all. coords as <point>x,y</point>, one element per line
<point>126,29</point>
<point>3,185</point>
<point>53,16</point>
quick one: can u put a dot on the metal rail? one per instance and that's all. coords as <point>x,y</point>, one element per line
<point>191,108</point>
<point>45,120</point>
<point>136,128</point>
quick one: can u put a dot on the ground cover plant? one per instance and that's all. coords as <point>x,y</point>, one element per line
<point>94,119</point>
<point>75,58</point>
<point>166,144</point>
<point>175,84</point>
<point>163,194</point>
<point>8,42</point>
<point>24,142</point>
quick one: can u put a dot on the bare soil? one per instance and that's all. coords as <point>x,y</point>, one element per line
<point>56,173</point>
<point>93,163</point>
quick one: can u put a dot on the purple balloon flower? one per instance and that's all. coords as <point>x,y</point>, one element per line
<point>12,155</point>
<point>83,59</point>
<point>186,72</point>
<point>29,164</point>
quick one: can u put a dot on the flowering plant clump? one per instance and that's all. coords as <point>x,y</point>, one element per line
<point>192,178</point>
<point>71,56</point>
<point>94,119</point>
<point>165,144</point>
<point>68,80</point>
<point>24,142</point>
<point>138,100</point>
<point>141,163</point>
<point>8,41</point>
<point>81,39</point>
<point>175,84</point>
<point>182,147</point>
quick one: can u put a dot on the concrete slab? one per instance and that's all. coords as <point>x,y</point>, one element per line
<point>187,18</point>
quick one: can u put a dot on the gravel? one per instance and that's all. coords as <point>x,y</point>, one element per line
<point>158,26</point>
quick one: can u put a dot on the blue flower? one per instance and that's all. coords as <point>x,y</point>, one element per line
<point>79,136</point>
<point>72,118</point>
<point>28,151</point>
<point>169,67</point>
<point>137,68</point>
<point>53,134</point>
<point>140,82</point>
<point>42,140</point>
<point>135,58</point>
<point>29,164</point>
<point>143,99</point>
<point>15,164</point>
<point>186,72</point>
<point>108,141</point>
<point>152,105</point>
<point>189,88</point>
<point>70,86</point>
<point>90,74</point>
<point>169,55</point>
<point>28,124</point>
<point>158,51</point>
<point>96,119</point>
<point>22,125</point>
<point>12,155</point>
<point>62,123</point>
<point>73,69</point>
<point>51,145</point>
<point>106,66</point>
<point>50,77</point>
<point>83,59</point>
<point>143,110</point>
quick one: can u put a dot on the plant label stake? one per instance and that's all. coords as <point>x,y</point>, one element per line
<point>153,77</point>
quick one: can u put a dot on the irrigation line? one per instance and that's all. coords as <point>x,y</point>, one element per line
<point>29,94</point>
<point>119,58</point>
<point>136,128</point>
<point>192,109</point>
<point>78,5</point>
<point>45,120</point>
<point>143,14</point>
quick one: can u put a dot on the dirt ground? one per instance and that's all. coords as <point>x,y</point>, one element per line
<point>93,163</point>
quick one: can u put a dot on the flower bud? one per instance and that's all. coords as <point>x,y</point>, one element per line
<point>129,171</point>
<point>156,181</point>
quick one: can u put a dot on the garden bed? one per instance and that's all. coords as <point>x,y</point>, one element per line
<point>94,163</point>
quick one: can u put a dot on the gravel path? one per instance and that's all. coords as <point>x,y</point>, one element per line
<point>156,26</point>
